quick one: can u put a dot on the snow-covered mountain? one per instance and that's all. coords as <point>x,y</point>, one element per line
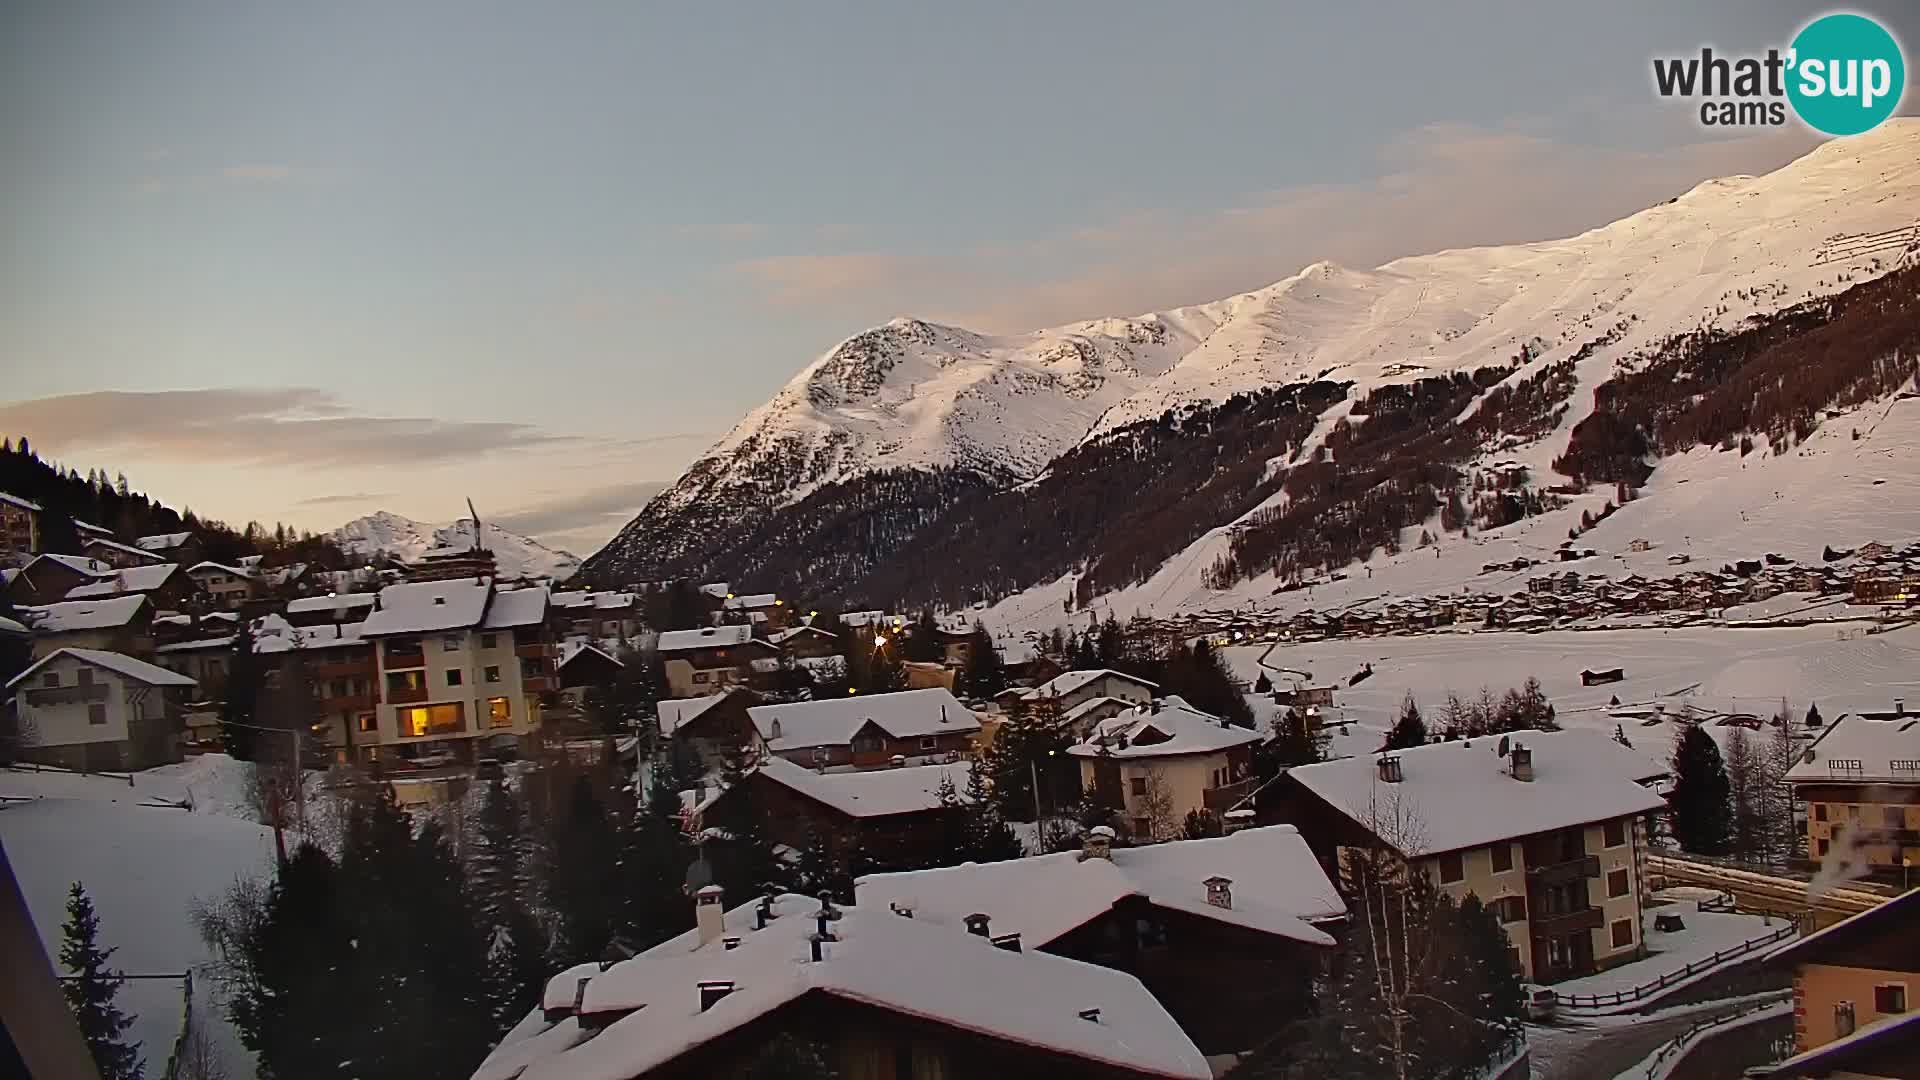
<point>999,410</point>
<point>405,539</point>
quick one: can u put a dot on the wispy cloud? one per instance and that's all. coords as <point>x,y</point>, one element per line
<point>345,499</point>
<point>585,519</point>
<point>296,426</point>
<point>259,174</point>
<point>814,280</point>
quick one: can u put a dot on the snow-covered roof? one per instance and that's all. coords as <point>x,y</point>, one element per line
<point>573,650</point>
<point>115,545</point>
<point>1276,886</point>
<point>859,619</point>
<point>781,637</point>
<point>1092,704</point>
<point>904,714</point>
<point>599,601</point>
<point>84,614</point>
<point>751,601</point>
<point>92,568</point>
<point>516,607</point>
<point>1168,727</point>
<point>162,541</point>
<point>15,500</point>
<point>211,567</point>
<point>1457,795</point>
<point>706,637</point>
<point>1857,749</point>
<point>877,959</point>
<point>717,589</point>
<point>332,602</point>
<point>273,634</point>
<point>12,626</point>
<point>134,579</point>
<point>120,663</point>
<point>196,645</point>
<point>676,713</point>
<point>871,792</point>
<point>1069,681</point>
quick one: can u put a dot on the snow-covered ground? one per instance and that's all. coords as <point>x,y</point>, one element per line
<point>144,867</point>
<point>1706,933</point>
<point>204,783</point>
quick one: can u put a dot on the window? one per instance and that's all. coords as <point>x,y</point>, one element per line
<point>499,712</point>
<point>51,678</point>
<point>1896,817</point>
<point>1142,828</point>
<point>1139,785</point>
<point>1502,858</point>
<point>1819,811</point>
<point>454,676</point>
<point>1890,998</point>
<point>368,722</point>
<point>1622,933</point>
<point>1510,909</point>
<point>1853,812</point>
<point>1452,868</point>
<point>406,680</point>
<point>490,673</point>
<point>96,714</point>
<point>1616,883</point>
<point>1822,844</point>
<point>434,719</point>
<point>85,675</point>
<point>1615,833</point>
<point>337,688</point>
<point>450,643</point>
<point>928,744</point>
<point>700,676</point>
<point>213,665</point>
<point>488,641</point>
<point>1842,1019</point>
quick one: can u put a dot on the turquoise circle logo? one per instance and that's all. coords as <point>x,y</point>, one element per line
<point>1847,74</point>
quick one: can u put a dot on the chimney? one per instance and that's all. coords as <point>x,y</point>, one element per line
<point>1092,1015</point>
<point>1389,766</point>
<point>730,943</point>
<point>1219,891</point>
<point>1098,844</point>
<point>764,913</point>
<point>712,990</point>
<point>816,947</point>
<point>580,994</point>
<point>1522,767</point>
<point>1899,707</point>
<point>904,910</point>
<point>825,915</point>
<point>1009,942</point>
<point>708,914</point>
<point>977,924</point>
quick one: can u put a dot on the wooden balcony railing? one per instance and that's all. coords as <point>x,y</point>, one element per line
<point>398,658</point>
<point>1566,922</point>
<point>1560,873</point>
<point>406,695</point>
<point>66,695</point>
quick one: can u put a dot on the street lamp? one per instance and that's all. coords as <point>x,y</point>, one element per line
<point>879,640</point>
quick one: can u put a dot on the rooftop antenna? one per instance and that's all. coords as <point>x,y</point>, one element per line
<point>479,538</point>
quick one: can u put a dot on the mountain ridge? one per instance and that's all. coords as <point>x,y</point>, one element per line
<point>404,539</point>
<point>917,398</point>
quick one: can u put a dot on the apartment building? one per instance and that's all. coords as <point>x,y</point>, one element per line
<point>460,662</point>
<point>1852,994</point>
<point>340,673</point>
<point>19,529</point>
<point>1547,828</point>
<point>1163,760</point>
<point>712,658</point>
<point>1861,783</point>
<point>867,730</point>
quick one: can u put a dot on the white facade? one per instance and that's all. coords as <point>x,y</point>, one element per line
<point>464,683</point>
<point>76,711</point>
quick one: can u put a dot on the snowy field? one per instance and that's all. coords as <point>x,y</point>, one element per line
<point>206,783</point>
<point>1714,668</point>
<point>1706,933</point>
<point>144,867</point>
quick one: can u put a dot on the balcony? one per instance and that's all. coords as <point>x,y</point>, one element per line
<point>344,669</point>
<point>66,695</point>
<point>1561,873</point>
<point>406,695</point>
<point>354,702</point>
<point>402,658</point>
<point>1566,922</point>
<point>539,684</point>
<point>1222,799</point>
<point>533,650</point>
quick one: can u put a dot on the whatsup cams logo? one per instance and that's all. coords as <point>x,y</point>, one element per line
<point>1842,75</point>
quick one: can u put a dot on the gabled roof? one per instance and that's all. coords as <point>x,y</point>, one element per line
<point>877,959</point>
<point>1166,728</point>
<point>70,615</point>
<point>706,637</point>
<point>516,607</point>
<point>750,602</point>
<point>905,714</point>
<point>24,504</point>
<point>1277,887</point>
<point>335,602</point>
<point>134,579</point>
<point>1858,750</point>
<point>220,568</point>
<point>274,634</point>
<point>872,792</point>
<point>1878,1049</point>
<point>783,636</point>
<point>598,601</point>
<point>118,663</point>
<point>162,541</point>
<point>1876,932</point>
<point>420,607</point>
<point>676,713</point>
<point>574,650</point>
<point>115,545</point>
<point>1457,795</point>
<point>80,564</point>
<point>1068,682</point>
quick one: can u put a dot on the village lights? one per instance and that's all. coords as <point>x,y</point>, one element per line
<point>879,640</point>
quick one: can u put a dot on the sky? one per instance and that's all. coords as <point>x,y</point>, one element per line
<point>302,262</point>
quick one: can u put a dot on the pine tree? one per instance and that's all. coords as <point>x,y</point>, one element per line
<point>580,860</point>
<point>517,949</point>
<point>1775,803</point>
<point>1744,785</point>
<point>1198,676</point>
<point>1409,730</point>
<point>922,642</point>
<point>1291,743</point>
<point>986,673</point>
<point>239,710</point>
<point>1030,742</point>
<point>819,871</point>
<point>989,837</point>
<point>1262,684</point>
<point>653,860</point>
<point>91,995</point>
<point>1702,815</point>
<point>1813,715</point>
<point>296,994</point>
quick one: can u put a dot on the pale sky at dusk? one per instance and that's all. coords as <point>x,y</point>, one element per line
<point>301,262</point>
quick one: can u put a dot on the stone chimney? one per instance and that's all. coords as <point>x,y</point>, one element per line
<point>977,924</point>
<point>712,990</point>
<point>1098,844</point>
<point>1389,767</point>
<point>708,914</point>
<point>1090,1015</point>
<point>1219,891</point>
<point>1522,763</point>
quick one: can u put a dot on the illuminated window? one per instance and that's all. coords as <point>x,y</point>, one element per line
<point>433,719</point>
<point>499,712</point>
<point>368,722</point>
<point>491,673</point>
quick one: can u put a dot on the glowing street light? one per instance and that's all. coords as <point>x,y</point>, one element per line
<point>879,640</point>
